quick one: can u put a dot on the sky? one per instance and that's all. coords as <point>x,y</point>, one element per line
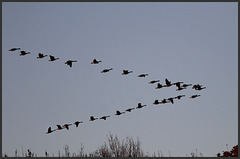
<point>194,43</point>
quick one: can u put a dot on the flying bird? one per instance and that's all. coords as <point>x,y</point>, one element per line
<point>77,123</point>
<point>154,81</point>
<point>194,96</point>
<point>159,86</point>
<point>168,83</point>
<point>14,49</point>
<point>119,113</point>
<point>186,85</point>
<point>66,126</point>
<point>40,56</point>
<point>52,58</point>
<point>125,72</point>
<point>106,70</point>
<point>179,96</point>
<point>140,106</point>
<point>164,101</point>
<point>95,61</point>
<point>142,75</point>
<point>59,127</point>
<point>171,99</point>
<point>50,130</point>
<point>198,87</point>
<point>129,109</point>
<point>92,118</point>
<point>156,102</point>
<point>69,62</point>
<point>104,117</point>
<point>22,53</point>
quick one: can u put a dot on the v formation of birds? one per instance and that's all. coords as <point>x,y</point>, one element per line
<point>180,86</point>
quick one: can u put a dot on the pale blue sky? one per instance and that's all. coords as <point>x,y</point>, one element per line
<point>191,42</point>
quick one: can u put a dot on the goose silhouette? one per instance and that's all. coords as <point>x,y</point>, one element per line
<point>52,58</point>
<point>179,96</point>
<point>92,118</point>
<point>164,101</point>
<point>156,102</point>
<point>125,72</point>
<point>77,123</point>
<point>95,61</point>
<point>171,99</point>
<point>66,126</point>
<point>106,70</point>
<point>59,127</point>
<point>40,56</point>
<point>153,81</point>
<point>119,113</point>
<point>198,87</point>
<point>50,130</point>
<point>159,86</point>
<point>69,62</point>
<point>129,109</point>
<point>194,96</point>
<point>14,49</point>
<point>140,105</point>
<point>104,117</point>
<point>186,85</point>
<point>142,75</point>
<point>22,53</point>
<point>168,83</point>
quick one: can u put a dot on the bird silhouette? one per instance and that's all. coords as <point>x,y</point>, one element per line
<point>52,58</point>
<point>164,101</point>
<point>67,126</point>
<point>125,72</point>
<point>179,96</point>
<point>104,117</point>
<point>159,86</point>
<point>22,53</point>
<point>106,70</point>
<point>59,127</point>
<point>168,83</point>
<point>92,118</point>
<point>14,49</point>
<point>153,81</point>
<point>40,56</point>
<point>198,87</point>
<point>186,85</point>
<point>69,62</point>
<point>119,113</point>
<point>194,96</point>
<point>95,61</point>
<point>77,123</point>
<point>50,130</point>
<point>140,105</point>
<point>156,102</point>
<point>142,75</point>
<point>129,109</point>
<point>171,99</point>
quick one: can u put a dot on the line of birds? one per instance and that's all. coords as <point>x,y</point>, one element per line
<point>180,86</point>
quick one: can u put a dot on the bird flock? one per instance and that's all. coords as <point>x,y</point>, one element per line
<point>179,85</point>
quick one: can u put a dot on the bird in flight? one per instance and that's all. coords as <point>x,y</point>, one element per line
<point>156,102</point>
<point>140,105</point>
<point>168,83</point>
<point>179,88</point>
<point>198,87</point>
<point>50,130</point>
<point>104,117</point>
<point>22,53</point>
<point>77,123</point>
<point>179,96</point>
<point>95,61</point>
<point>159,86</point>
<point>106,70</point>
<point>59,127</point>
<point>194,96</point>
<point>119,113</point>
<point>171,99</point>
<point>66,126</point>
<point>40,56</point>
<point>164,101</point>
<point>69,62</point>
<point>52,58</point>
<point>153,81</point>
<point>186,85</point>
<point>125,72</point>
<point>14,49</point>
<point>142,75</point>
<point>129,109</point>
<point>92,118</point>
